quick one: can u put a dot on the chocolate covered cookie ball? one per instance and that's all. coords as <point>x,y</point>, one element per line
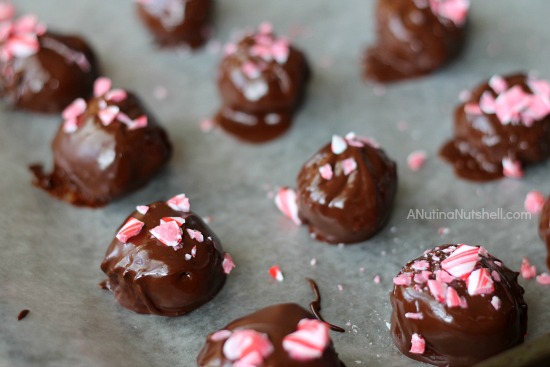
<point>544,228</point>
<point>105,148</point>
<point>415,37</point>
<point>42,71</point>
<point>165,260</point>
<point>455,306</point>
<point>262,81</point>
<point>502,126</point>
<point>176,22</point>
<point>345,191</point>
<point>276,336</point>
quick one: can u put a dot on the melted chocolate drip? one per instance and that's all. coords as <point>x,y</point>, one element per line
<point>412,41</point>
<point>149,277</point>
<point>347,208</point>
<point>259,109</point>
<point>458,336</point>
<point>97,164</point>
<point>544,228</point>
<point>276,321</point>
<point>315,307</point>
<point>176,22</point>
<point>482,141</point>
<point>63,70</point>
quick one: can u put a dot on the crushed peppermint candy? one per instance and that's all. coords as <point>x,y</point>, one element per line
<point>227,264</point>
<point>416,160</point>
<point>180,203</point>
<point>168,233</point>
<point>512,168</point>
<point>454,10</point>
<point>247,348</point>
<point>403,279</point>
<point>269,48</point>
<point>276,273</point>
<point>414,315</point>
<point>420,265</point>
<point>220,335</point>
<point>71,115</point>
<point>480,282</point>
<point>309,341</point>
<point>285,200</point>
<point>195,235</point>
<point>349,165</point>
<point>326,171</point>
<point>527,270</point>
<point>462,261</point>
<point>130,229</point>
<point>360,141</point>
<point>534,202</point>
<point>543,279</point>
<point>179,220</point>
<point>19,38</point>
<point>418,344</point>
<point>142,209</point>
<point>496,302</point>
<point>376,279</point>
<point>452,299</point>
<point>438,290</point>
<point>338,144</point>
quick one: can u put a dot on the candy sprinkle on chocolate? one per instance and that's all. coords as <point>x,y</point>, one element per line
<point>130,229</point>
<point>276,273</point>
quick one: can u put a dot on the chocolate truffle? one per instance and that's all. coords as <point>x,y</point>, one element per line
<point>415,37</point>
<point>176,22</point>
<point>165,260</point>
<point>42,71</point>
<point>544,228</point>
<point>455,306</point>
<point>502,125</point>
<point>105,148</point>
<point>345,191</point>
<point>262,81</point>
<point>276,336</point>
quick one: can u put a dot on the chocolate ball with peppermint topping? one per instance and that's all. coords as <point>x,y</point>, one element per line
<point>262,81</point>
<point>42,71</point>
<point>176,22</point>
<point>456,305</point>
<point>345,191</point>
<point>105,148</point>
<point>279,335</point>
<point>165,260</point>
<point>500,127</point>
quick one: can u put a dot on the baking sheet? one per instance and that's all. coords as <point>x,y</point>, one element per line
<point>51,251</point>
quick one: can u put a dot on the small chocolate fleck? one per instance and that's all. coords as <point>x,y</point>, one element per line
<point>22,314</point>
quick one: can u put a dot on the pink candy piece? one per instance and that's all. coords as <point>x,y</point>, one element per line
<point>227,264</point>
<point>510,104</point>
<point>207,125</point>
<point>416,160</point>
<point>443,276</point>
<point>454,10</point>
<point>527,271</point>
<point>338,145</point>
<point>168,233</point>
<point>195,235</point>
<point>130,229</point>
<point>543,279</point>
<point>108,114</point>
<point>420,265</point>
<point>142,209</point>
<point>276,273</point>
<point>534,202</point>
<point>414,315</point>
<point>116,95</point>
<point>220,335</point>
<point>349,165</point>
<point>360,141</point>
<point>511,168</point>
<point>180,203</point>
<point>179,220</point>
<point>138,123</point>
<point>418,344</point>
<point>309,341</point>
<point>251,70</point>
<point>438,290</point>
<point>480,282</point>
<point>326,171</point>
<point>7,11</point>
<point>403,279</point>
<point>487,103</point>
<point>472,109</point>
<point>498,84</point>
<point>376,279</point>
<point>285,199</point>
<point>247,348</point>
<point>496,302</point>
<point>462,261</point>
<point>265,28</point>
<point>102,86</point>
<point>452,299</point>
<point>75,109</point>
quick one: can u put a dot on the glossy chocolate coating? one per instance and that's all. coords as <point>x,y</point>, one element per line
<point>97,164</point>
<point>412,41</point>
<point>176,22</point>
<point>276,321</point>
<point>258,109</point>
<point>459,336</point>
<point>347,208</point>
<point>149,277</point>
<point>62,70</point>
<point>482,141</point>
<point>544,228</point>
